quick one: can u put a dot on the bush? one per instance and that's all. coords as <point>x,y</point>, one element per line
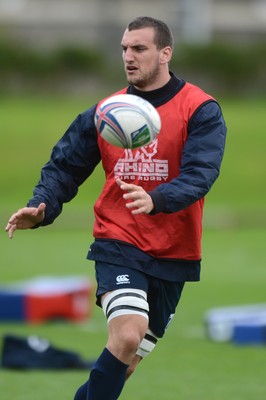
<point>31,63</point>
<point>229,67</point>
<point>223,67</point>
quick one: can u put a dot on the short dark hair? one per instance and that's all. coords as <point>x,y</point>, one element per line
<point>163,36</point>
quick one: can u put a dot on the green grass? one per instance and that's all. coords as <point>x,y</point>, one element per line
<point>240,186</point>
<point>186,365</point>
<point>30,126</point>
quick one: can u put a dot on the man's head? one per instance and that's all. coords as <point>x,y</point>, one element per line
<point>162,35</point>
<point>147,49</point>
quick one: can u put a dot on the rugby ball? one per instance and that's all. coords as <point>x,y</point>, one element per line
<point>127,121</point>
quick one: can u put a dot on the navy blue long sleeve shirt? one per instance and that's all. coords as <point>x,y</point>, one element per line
<point>76,155</point>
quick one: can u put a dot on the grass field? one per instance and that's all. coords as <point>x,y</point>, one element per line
<point>186,365</point>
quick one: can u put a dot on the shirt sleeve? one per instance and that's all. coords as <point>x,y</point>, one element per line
<point>201,161</point>
<point>72,161</point>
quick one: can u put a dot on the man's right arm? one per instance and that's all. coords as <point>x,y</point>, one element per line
<point>72,161</point>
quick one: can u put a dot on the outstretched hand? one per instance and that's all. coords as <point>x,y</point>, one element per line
<point>25,218</point>
<point>140,202</point>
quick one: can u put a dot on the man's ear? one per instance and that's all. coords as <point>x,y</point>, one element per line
<point>166,55</point>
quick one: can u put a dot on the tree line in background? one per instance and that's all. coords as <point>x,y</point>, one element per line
<point>224,68</point>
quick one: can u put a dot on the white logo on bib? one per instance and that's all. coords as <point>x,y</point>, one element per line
<point>122,279</point>
<point>142,165</point>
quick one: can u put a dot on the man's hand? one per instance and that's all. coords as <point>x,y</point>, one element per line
<point>140,201</point>
<point>25,218</point>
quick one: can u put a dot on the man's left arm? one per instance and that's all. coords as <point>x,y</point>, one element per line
<point>201,161</point>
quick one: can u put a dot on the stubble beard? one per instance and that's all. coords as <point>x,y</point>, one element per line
<point>146,79</point>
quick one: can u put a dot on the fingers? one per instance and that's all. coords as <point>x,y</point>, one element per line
<point>10,229</point>
<point>12,223</point>
<point>25,218</point>
<point>41,211</point>
<point>41,207</point>
<point>138,200</point>
<point>125,186</point>
<point>142,203</point>
<point>119,182</point>
<point>128,187</point>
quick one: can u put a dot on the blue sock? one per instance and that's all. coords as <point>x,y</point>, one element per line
<point>106,380</point>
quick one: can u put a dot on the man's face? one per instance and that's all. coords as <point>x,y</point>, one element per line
<point>141,58</point>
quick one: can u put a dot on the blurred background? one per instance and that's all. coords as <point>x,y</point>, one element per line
<point>58,58</point>
<point>72,45</point>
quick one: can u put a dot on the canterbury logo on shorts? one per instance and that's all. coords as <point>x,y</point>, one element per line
<point>122,279</point>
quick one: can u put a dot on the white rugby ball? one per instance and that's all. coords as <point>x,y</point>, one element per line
<point>127,121</point>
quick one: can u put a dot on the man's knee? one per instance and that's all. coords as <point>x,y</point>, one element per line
<point>125,333</point>
<point>126,311</point>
